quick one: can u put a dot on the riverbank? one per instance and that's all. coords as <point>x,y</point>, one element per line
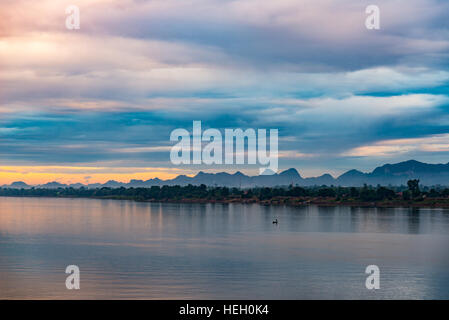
<point>324,202</point>
<point>366,196</point>
<point>282,201</point>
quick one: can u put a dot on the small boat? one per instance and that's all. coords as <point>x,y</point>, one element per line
<point>275,221</point>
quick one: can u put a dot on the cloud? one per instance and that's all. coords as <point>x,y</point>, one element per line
<point>317,126</point>
<point>434,143</point>
<point>109,94</point>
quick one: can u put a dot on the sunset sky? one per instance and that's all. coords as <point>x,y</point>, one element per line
<point>100,103</point>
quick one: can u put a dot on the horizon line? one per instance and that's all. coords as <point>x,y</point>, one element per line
<point>214,173</point>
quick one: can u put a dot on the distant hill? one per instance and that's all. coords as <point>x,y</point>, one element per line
<point>388,174</point>
<point>19,185</point>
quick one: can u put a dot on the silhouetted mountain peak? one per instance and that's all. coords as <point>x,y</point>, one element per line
<point>201,174</point>
<point>410,168</point>
<point>223,174</point>
<point>352,173</point>
<point>181,177</point>
<point>18,184</point>
<point>76,185</point>
<point>113,184</point>
<point>53,184</point>
<point>292,172</point>
<point>388,174</point>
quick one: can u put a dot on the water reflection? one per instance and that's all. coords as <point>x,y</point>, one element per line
<point>150,250</point>
<point>413,220</point>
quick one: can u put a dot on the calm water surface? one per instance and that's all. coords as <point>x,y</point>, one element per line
<point>178,251</point>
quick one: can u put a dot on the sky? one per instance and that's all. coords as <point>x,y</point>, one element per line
<point>99,103</point>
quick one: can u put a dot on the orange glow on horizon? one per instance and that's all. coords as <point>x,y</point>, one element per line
<point>85,175</point>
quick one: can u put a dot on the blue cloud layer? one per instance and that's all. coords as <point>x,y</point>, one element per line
<point>139,69</point>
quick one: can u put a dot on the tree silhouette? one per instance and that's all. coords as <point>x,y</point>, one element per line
<point>413,186</point>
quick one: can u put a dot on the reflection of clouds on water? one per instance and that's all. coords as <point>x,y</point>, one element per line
<point>149,250</point>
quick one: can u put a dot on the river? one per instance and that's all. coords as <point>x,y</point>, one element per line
<point>132,250</point>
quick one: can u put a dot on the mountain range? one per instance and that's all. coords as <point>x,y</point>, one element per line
<point>388,174</point>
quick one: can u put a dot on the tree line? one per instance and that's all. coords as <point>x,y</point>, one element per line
<point>176,193</point>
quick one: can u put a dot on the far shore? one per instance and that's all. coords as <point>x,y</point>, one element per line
<point>282,201</point>
<point>323,202</point>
